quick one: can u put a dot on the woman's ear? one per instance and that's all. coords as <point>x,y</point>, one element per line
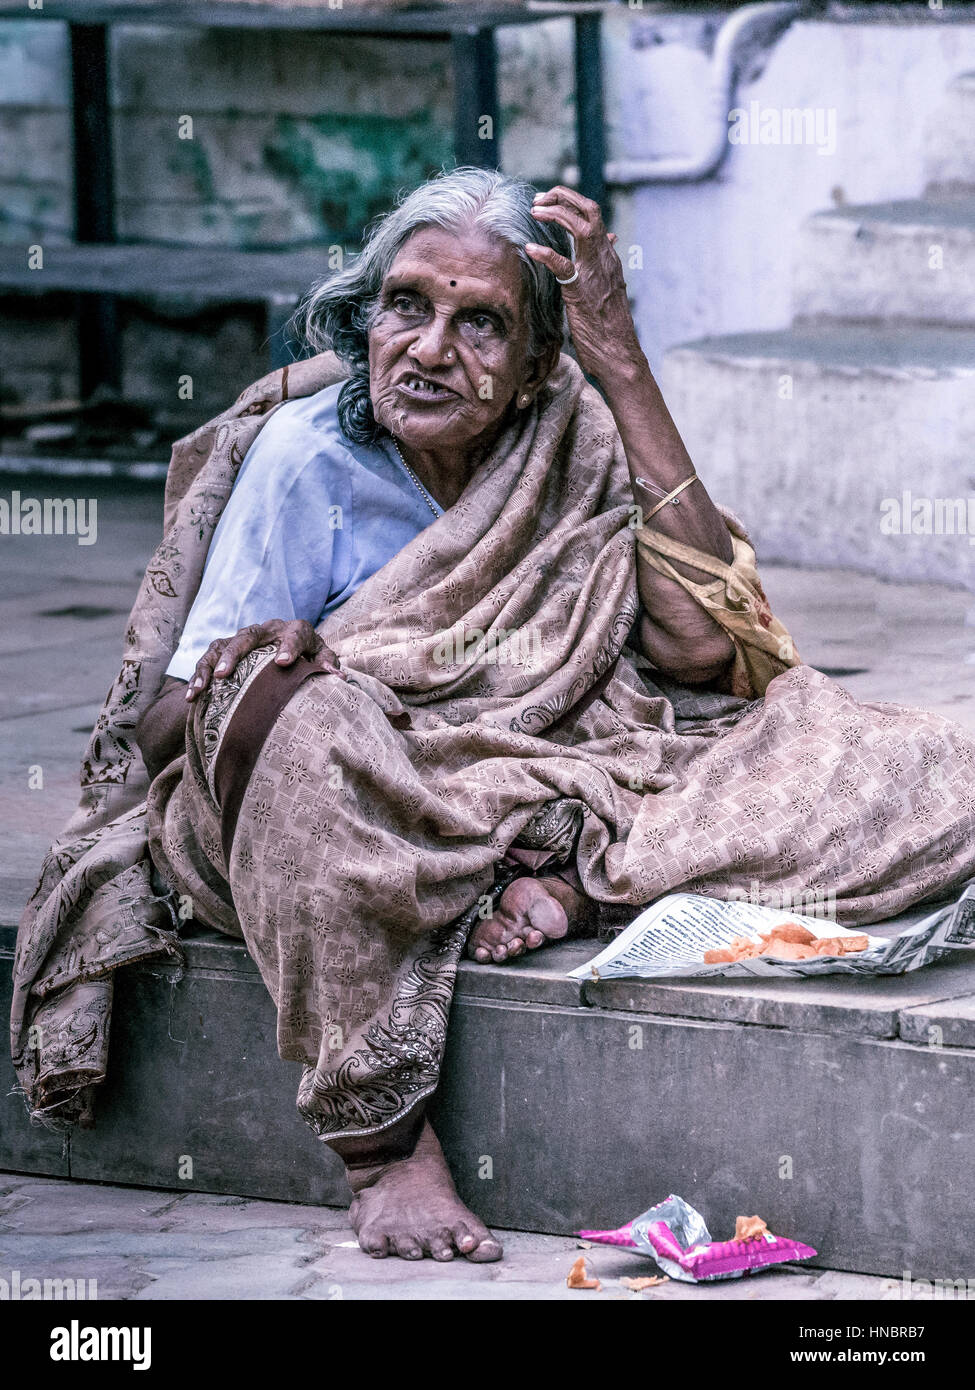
<point>541,368</point>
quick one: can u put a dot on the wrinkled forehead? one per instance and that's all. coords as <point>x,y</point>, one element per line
<point>466,265</point>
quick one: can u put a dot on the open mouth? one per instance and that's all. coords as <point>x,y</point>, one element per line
<point>421,388</point>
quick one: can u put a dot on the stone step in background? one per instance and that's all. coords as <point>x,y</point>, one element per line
<point>805,432</point>
<point>868,396</point>
<point>912,260</point>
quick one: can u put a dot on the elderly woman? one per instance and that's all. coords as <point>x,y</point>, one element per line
<point>473,660</point>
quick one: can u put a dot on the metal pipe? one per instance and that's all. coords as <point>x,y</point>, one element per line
<point>750,29</point>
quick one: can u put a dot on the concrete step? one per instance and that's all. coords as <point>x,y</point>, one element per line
<point>833,1108</point>
<point>902,261</point>
<point>826,439</point>
<point>950,139</point>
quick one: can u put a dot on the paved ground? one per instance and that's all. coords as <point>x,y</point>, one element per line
<point>141,1244</point>
<point>62,614</point>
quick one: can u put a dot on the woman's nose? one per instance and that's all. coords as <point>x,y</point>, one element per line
<point>431,347</point>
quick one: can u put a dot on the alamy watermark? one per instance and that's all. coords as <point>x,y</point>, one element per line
<point>50,516</point>
<point>498,646</point>
<point>20,1288</point>
<point>924,1290</point>
<point>787,125</point>
<point>77,1343</point>
<point>908,515</point>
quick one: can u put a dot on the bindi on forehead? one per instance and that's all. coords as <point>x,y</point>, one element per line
<point>475,262</point>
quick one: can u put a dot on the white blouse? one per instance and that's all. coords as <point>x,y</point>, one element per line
<point>310,518</point>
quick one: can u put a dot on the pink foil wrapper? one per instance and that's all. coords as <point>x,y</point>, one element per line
<point>676,1237</point>
<point>621,1236</point>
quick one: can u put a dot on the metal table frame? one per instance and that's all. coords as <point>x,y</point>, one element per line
<point>470,31</point>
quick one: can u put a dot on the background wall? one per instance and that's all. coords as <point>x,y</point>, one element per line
<point>299,143</point>
<point>719,256</point>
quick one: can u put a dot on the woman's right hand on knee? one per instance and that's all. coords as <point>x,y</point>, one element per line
<point>293,638</point>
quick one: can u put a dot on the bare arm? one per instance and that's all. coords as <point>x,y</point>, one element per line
<point>675,633</point>
<point>679,637</point>
<point>161,731</point>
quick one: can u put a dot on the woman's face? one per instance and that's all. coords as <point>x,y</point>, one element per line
<point>448,347</point>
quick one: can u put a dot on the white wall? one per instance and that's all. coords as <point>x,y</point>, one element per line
<point>718,255</point>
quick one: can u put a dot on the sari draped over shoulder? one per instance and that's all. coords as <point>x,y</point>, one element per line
<point>352,831</point>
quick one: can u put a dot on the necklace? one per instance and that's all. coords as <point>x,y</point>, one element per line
<point>419,486</point>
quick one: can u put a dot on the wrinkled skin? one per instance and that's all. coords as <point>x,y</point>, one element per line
<point>410,1208</point>
<point>452,315</point>
<point>676,634</point>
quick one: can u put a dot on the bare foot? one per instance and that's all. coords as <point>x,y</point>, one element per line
<point>410,1208</point>
<point>531,912</point>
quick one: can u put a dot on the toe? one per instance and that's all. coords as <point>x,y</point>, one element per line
<point>488,1251</point>
<point>408,1247</point>
<point>534,939</point>
<point>374,1243</point>
<point>516,947</point>
<point>441,1244</point>
<point>464,1238</point>
<point>476,1243</point>
<point>548,916</point>
<point>486,938</point>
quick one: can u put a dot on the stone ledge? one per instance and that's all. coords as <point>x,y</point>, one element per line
<point>886,1006</point>
<point>947,1023</point>
<point>840,1004</point>
<point>586,1112</point>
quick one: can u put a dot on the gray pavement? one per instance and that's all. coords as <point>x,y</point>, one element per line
<point>140,1244</point>
<point>63,609</point>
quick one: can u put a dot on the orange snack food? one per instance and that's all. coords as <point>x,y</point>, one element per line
<point>841,945</point>
<point>852,944</point>
<point>789,941</point>
<point>648,1282</point>
<point>722,955</point>
<point>794,932</point>
<point>788,950</point>
<point>749,1228</point>
<point>578,1279</point>
<point>831,946</point>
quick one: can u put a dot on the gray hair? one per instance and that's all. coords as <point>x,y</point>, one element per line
<point>338,313</point>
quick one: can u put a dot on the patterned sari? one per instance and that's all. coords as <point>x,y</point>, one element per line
<point>352,832</point>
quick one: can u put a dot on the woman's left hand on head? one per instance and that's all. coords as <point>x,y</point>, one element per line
<point>596,303</point>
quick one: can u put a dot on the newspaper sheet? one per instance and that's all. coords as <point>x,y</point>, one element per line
<point>671,936</point>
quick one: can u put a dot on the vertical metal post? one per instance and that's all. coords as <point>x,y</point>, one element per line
<point>100,360</point>
<point>590,120</point>
<point>477,133</point>
<point>278,311</point>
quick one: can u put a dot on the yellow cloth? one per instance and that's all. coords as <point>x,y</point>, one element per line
<point>735,599</point>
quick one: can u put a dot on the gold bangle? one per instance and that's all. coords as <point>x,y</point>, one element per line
<point>671,496</point>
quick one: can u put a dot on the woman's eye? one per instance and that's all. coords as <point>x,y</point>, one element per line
<point>482,323</point>
<point>403,304</point>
